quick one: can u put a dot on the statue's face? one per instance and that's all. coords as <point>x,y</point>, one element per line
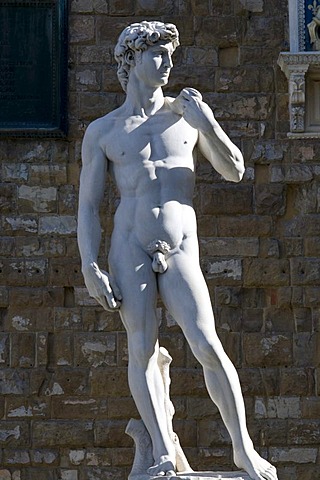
<point>153,65</point>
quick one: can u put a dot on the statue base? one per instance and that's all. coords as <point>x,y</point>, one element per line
<point>196,476</point>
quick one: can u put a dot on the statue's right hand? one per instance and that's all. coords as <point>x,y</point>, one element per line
<point>102,287</point>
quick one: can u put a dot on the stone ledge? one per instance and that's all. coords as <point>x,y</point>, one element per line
<point>197,476</point>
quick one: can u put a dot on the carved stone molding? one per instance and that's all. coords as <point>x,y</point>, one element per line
<point>296,66</point>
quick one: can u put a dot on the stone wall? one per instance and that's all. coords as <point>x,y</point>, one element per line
<point>64,400</point>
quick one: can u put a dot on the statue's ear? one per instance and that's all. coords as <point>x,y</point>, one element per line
<point>129,57</point>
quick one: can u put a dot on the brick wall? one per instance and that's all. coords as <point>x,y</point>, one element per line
<point>64,397</point>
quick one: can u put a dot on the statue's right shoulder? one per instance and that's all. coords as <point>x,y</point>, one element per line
<point>99,129</point>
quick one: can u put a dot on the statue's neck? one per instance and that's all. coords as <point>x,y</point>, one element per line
<point>143,100</point>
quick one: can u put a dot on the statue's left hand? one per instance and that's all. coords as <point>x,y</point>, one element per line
<point>102,286</point>
<point>197,113</point>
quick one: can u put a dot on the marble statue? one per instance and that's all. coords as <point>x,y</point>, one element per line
<point>148,147</point>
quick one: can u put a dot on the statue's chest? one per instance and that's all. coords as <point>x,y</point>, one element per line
<point>158,138</point>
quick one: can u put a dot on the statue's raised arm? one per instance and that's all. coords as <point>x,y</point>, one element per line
<point>213,142</point>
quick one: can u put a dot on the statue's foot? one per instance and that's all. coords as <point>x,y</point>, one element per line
<point>164,467</point>
<point>257,467</point>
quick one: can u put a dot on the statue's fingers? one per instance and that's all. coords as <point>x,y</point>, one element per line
<point>116,290</point>
<point>191,92</point>
<point>112,302</point>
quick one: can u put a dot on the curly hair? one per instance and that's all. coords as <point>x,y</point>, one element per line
<point>137,37</point>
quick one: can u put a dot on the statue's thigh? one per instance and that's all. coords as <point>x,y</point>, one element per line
<point>131,268</point>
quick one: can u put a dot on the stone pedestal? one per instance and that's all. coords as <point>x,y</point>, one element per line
<point>198,476</point>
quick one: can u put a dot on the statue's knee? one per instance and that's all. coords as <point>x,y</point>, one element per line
<point>140,352</point>
<point>209,353</point>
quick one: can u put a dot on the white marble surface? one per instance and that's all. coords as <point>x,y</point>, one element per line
<point>148,145</point>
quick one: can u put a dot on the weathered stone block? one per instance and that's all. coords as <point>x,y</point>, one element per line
<point>44,457</point>
<point>69,474</point>
<point>81,6</point>
<point>200,408</point>
<point>304,226</point>
<point>244,79</point>
<point>265,272</point>
<point>269,247</point>
<point>232,106</point>
<point>8,197</point>
<point>273,432</point>
<point>252,320</point>
<point>279,319</point>
<point>305,271</point>
<point>293,455</point>
<point>36,297</point>
<point>259,381</point>
<point>201,55</point>
<point>65,381</point>
<point>65,274</point>
<point>20,224</point>
<point>4,350</point>
<point>221,31</point>
<point>61,349</point>
<point>225,246</point>
<point>312,246</point>
<point>186,75</point>
<point>95,349</point>
<point>37,199</point>
<point>14,382</point>
<point>94,54</point>
<point>303,432</point>
<point>81,28</point>
<point>95,105</point>
<point>224,271</point>
<point>298,381</point>
<point>7,245</point>
<point>23,350</point>
<point>226,199</point>
<point>111,433</point>
<point>264,31</point>
<point>269,152</point>
<point>292,247</point>
<point>63,225</point>
<point>278,407</point>
<point>67,319</point>
<point>239,226</point>
<point>267,350</point>
<point>109,381</point>
<point>193,378</point>
<point>79,407</point>
<point>310,407</point>
<point>306,351</point>
<point>14,434</point>
<point>122,408</point>
<point>270,199</point>
<point>15,172</point>
<point>228,319</point>
<point>62,433</point>
<point>212,433</point>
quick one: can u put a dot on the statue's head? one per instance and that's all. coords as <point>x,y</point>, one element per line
<point>137,37</point>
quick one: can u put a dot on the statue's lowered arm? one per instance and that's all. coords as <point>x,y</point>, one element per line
<point>99,283</point>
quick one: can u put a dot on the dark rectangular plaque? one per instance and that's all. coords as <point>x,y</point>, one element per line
<point>33,68</point>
